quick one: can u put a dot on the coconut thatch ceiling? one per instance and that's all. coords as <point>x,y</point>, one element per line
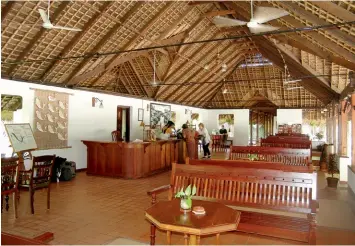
<point>187,74</point>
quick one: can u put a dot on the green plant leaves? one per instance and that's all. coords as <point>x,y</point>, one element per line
<point>188,190</point>
<point>189,202</point>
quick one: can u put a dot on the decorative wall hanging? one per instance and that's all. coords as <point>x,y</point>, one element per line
<point>96,102</point>
<point>159,114</point>
<point>226,118</point>
<point>140,114</point>
<point>195,116</point>
<point>50,122</point>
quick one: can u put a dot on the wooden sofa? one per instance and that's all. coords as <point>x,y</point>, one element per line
<point>288,156</point>
<point>273,202</point>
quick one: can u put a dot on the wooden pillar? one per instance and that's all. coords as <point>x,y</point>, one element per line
<point>272,124</point>
<point>334,127</point>
<point>251,126</point>
<point>257,126</point>
<point>267,123</point>
<point>353,129</point>
<point>343,130</point>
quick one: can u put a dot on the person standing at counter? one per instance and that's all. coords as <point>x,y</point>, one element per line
<point>202,131</point>
<point>167,130</point>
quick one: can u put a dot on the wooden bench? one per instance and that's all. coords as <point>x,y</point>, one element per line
<point>288,156</point>
<point>273,202</point>
<point>251,164</point>
<point>292,135</point>
<point>292,143</point>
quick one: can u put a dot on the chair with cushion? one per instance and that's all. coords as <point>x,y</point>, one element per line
<point>9,181</point>
<point>38,177</point>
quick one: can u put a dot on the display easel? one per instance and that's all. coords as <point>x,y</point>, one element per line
<point>22,140</point>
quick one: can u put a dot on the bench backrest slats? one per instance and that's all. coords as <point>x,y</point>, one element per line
<point>287,156</point>
<point>247,185</point>
<point>285,142</point>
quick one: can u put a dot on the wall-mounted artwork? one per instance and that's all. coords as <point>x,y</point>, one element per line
<point>226,118</point>
<point>159,114</point>
<point>51,119</point>
<point>195,116</point>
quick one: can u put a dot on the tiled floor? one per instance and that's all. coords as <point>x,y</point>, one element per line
<point>97,210</point>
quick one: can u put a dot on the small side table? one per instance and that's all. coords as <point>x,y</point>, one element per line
<point>166,215</point>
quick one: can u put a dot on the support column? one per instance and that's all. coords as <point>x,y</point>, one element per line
<point>257,126</point>
<point>343,130</point>
<point>267,123</point>
<point>353,129</point>
<point>251,126</point>
<point>334,127</point>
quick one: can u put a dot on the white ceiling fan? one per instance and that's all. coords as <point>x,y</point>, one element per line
<point>255,25</point>
<point>47,23</point>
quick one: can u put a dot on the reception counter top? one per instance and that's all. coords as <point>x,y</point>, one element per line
<point>131,159</point>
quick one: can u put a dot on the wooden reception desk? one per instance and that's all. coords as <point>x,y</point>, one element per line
<point>132,160</point>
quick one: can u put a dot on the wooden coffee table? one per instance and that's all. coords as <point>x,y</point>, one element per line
<point>166,215</point>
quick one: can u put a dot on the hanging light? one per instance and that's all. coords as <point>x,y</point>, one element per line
<point>225,91</point>
<point>224,67</point>
<point>154,82</point>
<point>294,88</point>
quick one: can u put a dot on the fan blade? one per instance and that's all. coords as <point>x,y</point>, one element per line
<point>258,28</point>
<point>265,14</point>
<point>225,22</point>
<point>67,28</point>
<point>44,16</point>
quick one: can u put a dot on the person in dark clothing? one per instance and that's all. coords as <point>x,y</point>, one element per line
<point>222,130</point>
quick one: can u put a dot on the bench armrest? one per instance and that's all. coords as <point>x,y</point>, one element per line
<point>314,206</point>
<point>153,193</point>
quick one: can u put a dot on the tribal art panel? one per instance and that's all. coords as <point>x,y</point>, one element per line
<point>51,119</point>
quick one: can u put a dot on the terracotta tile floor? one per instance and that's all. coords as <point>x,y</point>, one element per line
<point>97,210</point>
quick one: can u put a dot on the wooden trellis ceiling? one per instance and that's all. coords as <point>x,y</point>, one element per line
<point>186,74</point>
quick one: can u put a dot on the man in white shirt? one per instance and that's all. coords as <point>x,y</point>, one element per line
<point>206,139</point>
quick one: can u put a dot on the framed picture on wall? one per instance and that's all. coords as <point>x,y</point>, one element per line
<point>140,114</point>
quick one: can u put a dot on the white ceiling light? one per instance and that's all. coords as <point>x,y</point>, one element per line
<point>255,25</point>
<point>224,67</point>
<point>225,91</point>
<point>292,81</point>
<point>294,88</point>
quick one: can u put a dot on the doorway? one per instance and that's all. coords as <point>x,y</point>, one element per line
<point>124,122</point>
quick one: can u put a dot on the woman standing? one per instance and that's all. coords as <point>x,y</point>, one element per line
<point>202,131</point>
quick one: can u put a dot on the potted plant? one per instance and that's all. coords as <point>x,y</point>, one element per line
<point>333,169</point>
<point>319,136</point>
<point>253,157</point>
<point>185,196</point>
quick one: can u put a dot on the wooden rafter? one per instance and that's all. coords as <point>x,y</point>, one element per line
<point>335,10</point>
<point>77,37</point>
<point>141,81</point>
<point>6,9</point>
<point>37,37</point>
<point>219,13</point>
<point>301,44</point>
<point>112,61</point>
<point>103,40</point>
<point>102,68</point>
<point>180,86</point>
<point>304,14</point>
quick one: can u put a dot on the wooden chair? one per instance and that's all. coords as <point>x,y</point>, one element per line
<point>9,181</point>
<point>38,177</point>
<point>116,136</point>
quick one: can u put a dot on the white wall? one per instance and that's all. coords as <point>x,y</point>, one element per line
<point>241,123</point>
<point>86,122</point>
<point>289,116</point>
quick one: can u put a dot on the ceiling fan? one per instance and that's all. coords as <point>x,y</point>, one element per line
<point>255,25</point>
<point>48,25</point>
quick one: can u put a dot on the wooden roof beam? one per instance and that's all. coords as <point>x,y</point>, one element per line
<point>335,10</point>
<point>102,41</point>
<point>6,9</point>
<point>111,62</point>
<point>193,3</point>
<point>141,81</point>
<point>37,37</point>
<point>295,8</point>
<point>77,37</point>
<point>180,86</point>
<point>350,88</point>
<point>309,47</point>
<point>219,13</point>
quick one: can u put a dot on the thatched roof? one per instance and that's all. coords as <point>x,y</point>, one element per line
<point>188,74</point>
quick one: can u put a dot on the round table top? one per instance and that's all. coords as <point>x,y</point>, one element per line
<point>218,218</point>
